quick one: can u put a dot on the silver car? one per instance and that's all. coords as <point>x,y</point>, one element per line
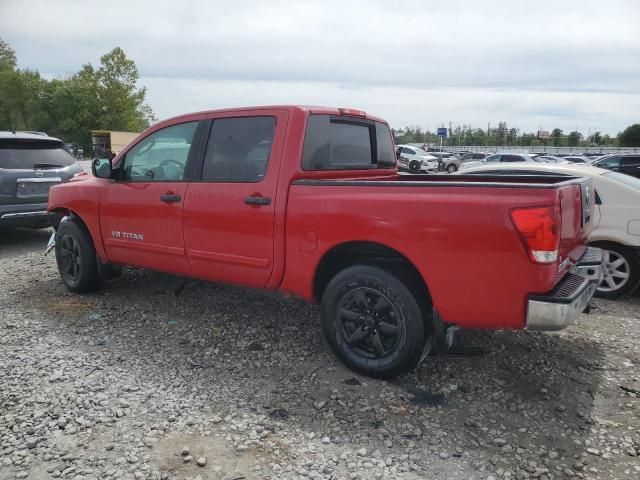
<point>29,165</point>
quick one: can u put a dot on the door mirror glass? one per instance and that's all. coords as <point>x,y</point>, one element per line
<point>101,167</point>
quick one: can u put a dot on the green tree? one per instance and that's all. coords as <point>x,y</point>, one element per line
<point>123,106</point>
<point>630,137</point>
<point>8,59</point>
<point>556,137</point>
<point>574,139</point>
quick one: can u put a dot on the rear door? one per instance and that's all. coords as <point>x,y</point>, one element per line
<point>230,206</point>
<point>141,212</point>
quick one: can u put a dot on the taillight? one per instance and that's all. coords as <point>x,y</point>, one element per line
<point>540,229</point>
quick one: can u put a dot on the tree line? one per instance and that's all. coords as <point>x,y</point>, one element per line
<point>503,135</point>
<point>106,97</point>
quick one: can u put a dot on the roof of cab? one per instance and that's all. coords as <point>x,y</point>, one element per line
<point>303,108</point>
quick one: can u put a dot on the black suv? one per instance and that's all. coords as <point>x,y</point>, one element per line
<point>29,165</point>
<point>628,163</point>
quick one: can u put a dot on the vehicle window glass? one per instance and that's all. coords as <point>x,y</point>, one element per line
<point>351,144</point>
<point>493,158</point>
<point>385,145</point>
<point>610,162</point>
<point>626,161</point>
<point>162,156</point>
<point>21,154</point>
<point>238,149</point>
<point>334,143</point>
<point>478,156</point>
<point>409,151</point>
<point>511,158</point>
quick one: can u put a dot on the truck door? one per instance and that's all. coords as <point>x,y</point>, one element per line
<point>230,205</point>
<point>141,212</point>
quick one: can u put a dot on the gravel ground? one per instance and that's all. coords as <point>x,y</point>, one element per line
<point>224,383</point>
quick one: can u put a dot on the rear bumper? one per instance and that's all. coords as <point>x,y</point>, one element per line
<point>563,305</point>
<point>32,214</point>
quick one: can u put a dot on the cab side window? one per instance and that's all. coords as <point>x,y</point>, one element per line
<point>162,156</point>
<point>238,149</point>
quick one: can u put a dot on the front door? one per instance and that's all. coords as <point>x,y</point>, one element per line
<point>230,205</point>
<point>141,212</point>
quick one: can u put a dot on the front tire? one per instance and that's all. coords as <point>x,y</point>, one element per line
<point>76,258</point>
<point>621,271</point>
<point>373,322</point>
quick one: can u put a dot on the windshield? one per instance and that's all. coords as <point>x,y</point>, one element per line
<point>628,180</point>
<point>28,155</point>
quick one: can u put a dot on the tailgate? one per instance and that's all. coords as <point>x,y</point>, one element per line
<point>577,202</point>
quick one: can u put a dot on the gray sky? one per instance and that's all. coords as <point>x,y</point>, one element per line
<point>546,64</point>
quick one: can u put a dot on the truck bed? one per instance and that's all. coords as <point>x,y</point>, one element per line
<point>457,231</point>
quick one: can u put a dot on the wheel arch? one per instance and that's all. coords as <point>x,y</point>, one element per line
<point>72,214</point>
<point>352,253</point>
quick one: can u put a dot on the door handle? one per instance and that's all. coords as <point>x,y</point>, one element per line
<point>256,200</point>
<point>170,198</point>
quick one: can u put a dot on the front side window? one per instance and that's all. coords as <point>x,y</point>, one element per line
<point>162,156</point>
<point>493,158</point>
<point>238,149</point>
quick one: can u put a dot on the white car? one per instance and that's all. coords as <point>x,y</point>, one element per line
<point>415,159</point>
<point>617,218</point>
<point>501,157</point>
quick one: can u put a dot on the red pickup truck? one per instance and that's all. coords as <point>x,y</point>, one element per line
<point>308,200</point>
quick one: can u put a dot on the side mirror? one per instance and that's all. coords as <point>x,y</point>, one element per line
<point>102,168</point>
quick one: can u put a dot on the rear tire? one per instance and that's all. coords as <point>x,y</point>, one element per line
<point>76,258</point>
<point>373,322</point>
<point>415,166</point>
<point>452,168</point>
<point>622,270</point>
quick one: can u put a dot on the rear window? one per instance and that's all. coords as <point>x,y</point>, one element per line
<point>336,143</point>
<point>24,154</point>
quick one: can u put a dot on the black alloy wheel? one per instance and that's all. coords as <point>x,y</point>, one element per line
<point>374,320</point>
<point>70,258</point>
<point>370,323</point>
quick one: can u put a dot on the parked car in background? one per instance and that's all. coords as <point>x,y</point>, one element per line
<point>29,165</point>
<point>550,159</point>
<point>447,162</point>
<point>501,157</point>
<point>415,160</point>
<point>575,159</point>
<point>474,156</point>
<point>628,163</point>
<point>616,219</point>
